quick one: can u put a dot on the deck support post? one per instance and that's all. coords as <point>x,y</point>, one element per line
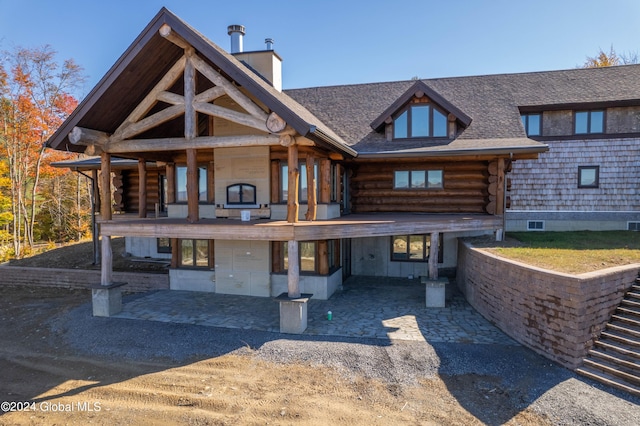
<point>293,305</point>
<point>106,297</point>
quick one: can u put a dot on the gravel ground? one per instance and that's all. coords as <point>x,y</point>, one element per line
<point>528,379</point>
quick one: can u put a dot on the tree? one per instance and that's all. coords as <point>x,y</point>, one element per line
<point>35,98</point>
<point>611,58</point>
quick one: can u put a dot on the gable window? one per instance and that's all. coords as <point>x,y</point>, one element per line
<point>420,121</point>
<point>417,179</point>
<point>588,176</point>
<point>181,184</point>
<point>241,193</point>
<point>412,248</point>
<point>532,124</point>
<point>587,122</point>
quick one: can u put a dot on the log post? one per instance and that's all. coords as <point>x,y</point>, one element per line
<point>193,192</point>
<point>142,188</point>
<point>325,181</point>
<point>171,183</point>
<point>293,273</point>
<point>292,191</point>
<point>433,256</point>
<point>190,116</point>
<point>106,267</point>
<point>105,186</point>
<point>275,181</point>
<point>175,253</point>
<point>323,257</point>
<point>311,188</point>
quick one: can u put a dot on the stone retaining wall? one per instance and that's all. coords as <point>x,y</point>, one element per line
<point>557,315</point>
<point>76,278</point>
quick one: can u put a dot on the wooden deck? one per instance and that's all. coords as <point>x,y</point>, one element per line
<point>350,226</point>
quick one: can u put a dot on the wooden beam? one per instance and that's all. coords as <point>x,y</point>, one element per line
<point>433,255</point>
<point>292,189</point>
<point>190,115</point>
<point>193,192</point>
<point>201,142</point>
<point>150,100</point>
<point>133,129</point>
<point>311,188</point>
<point>105,187</point>
<point>175,253</point>
<point>293,273</point>
<point>234,93</point>
<point>275,123</point>
<point>231,115</point>
<point>209,94</point>
<point>142,188</point>
<point>167,32</point>
<point>170,98</point>
<point>83,136</point>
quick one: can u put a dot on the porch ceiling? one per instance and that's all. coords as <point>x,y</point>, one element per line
<point>351,226</point>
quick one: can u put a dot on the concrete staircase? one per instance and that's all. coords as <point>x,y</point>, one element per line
<point>615,357</point>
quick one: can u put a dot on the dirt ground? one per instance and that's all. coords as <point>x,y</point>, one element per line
<point>49,384</point>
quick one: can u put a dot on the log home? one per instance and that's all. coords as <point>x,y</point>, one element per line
<point>251,190</point>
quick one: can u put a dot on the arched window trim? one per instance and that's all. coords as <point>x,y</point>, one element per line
<point>242,202</point>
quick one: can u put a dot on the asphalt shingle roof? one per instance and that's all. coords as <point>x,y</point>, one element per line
<point>492,101</point>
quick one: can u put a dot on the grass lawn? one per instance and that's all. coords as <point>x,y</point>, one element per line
<point>572,252</point>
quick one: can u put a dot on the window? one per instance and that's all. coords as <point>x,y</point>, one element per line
<point>241,193</point>
<point>532,124</point>
<point>535,225</point>
<point>194,253</point>
<point>302,181</point>
<point>420,121</point>
<point>164,245</point>
<point>181,184</point>
<point>308,258</point>
<point>588,176</point>
<point>413,248</point>
<point>589,122</point>
<point>418,179</point>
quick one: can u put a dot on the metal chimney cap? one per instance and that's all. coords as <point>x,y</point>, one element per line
<point>235,29</point>
<point>269,42</point>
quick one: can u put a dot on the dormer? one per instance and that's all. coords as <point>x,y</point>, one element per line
<point>421,114</point>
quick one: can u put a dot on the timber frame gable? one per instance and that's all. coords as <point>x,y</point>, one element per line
<point>174,88</point>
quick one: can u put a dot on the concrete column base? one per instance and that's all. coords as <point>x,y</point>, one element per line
<point>435,292</point>
<point>107,299</point>
<point>293,313</point>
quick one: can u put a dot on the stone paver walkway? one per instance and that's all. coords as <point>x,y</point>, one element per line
<point>385,308</point>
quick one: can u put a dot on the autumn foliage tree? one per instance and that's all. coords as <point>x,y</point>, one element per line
<point>35,98</point>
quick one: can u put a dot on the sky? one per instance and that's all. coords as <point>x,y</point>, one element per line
<point>335,42</point>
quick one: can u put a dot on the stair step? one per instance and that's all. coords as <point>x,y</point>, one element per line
<point>621,339</point>
<point>618,348</point>
<point>624,328</point>
<point>612,370</point>
<point>608,379</point>
<point>634,294</point>
<point>632,303</point>
<point>628,366</point>
<point>628,311</point>
<point>636,287</point>
<point>626,320</point>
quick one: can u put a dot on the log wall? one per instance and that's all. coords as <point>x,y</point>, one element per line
<point>465,188</point>
<point>130,181</point>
